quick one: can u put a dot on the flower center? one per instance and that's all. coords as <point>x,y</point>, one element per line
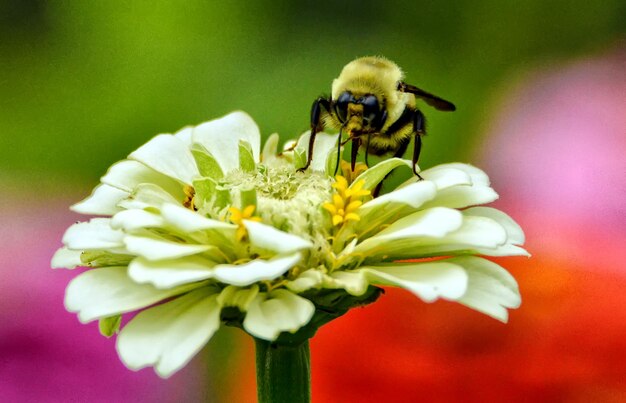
<point>286,199</point>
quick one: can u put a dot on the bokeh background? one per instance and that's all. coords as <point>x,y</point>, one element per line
<point>540,88</point>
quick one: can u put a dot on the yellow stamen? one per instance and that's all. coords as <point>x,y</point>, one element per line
<point>330,207</point>
<point>190,194</point>
<point>349,174</point>
<point>352,216</point>
<point>345,201</point>
<point>237,216</point>
<point>353,205</point>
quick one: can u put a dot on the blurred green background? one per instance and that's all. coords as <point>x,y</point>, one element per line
<point>83,83</point>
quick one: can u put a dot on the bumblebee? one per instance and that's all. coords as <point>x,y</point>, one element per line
<point>376,108</point>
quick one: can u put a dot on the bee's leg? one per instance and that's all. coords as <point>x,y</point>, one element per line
<point>404,144</point>
<point>338,151</point>
<point>419,127</point>
<point>378,187</point>
<point>367,148</point>
<point>316,125</point>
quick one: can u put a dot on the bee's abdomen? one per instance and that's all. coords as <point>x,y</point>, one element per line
<point>385,143</point>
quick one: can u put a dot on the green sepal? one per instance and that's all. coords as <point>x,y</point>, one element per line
<point>248,198</point>
<point>104,259</point>
<point>331,163</point>
<point>207,164</point>
<point>233,296</point>
<point>207,190</point>
<point>300,158</point>
<point>110,326</point>
<point>246,157</point>
<point>329,305</point>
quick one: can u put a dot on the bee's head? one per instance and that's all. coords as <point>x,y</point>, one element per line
<point>360,113</point>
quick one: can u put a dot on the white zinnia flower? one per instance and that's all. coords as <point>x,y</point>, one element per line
<point>201,227</point>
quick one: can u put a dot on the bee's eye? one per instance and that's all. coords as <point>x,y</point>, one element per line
<point>341,105</point>
<point>371,108</point>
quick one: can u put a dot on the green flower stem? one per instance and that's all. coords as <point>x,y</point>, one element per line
<point>283,372</point>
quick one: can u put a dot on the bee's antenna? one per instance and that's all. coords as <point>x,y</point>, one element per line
<point>338,150</point>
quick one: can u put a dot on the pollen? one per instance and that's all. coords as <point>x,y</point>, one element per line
<point>237,216</point>
<point>345,201</point>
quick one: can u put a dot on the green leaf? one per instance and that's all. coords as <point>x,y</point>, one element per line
<point>110,326</point>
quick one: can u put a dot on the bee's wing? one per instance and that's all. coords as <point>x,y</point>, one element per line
<point>430,99</point>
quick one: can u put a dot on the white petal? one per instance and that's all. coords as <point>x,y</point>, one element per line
<point>269,238</point>
<point>462,196</point>
<point>153,247</point>
<point>169,335</point>
<point>126,175</point>
<point>305,281</point>
<point>184,134</point>
<point>108,291</point>
<point>165,274</point>
<point>190,221</point>
<point>515,234</point>
<point>279,311</point>
<point>270,148</point>
<point>413,195</point>
<point>95,234</point>
<point>474,233</point>
<point>502,250</point>
<point>435,222</point>
<point>66,259</point>
<point>429,281</point>
<point>445,177</point>
<point>103,201</point>
<point>148,195</point>
<point>479,231</point>
<point>491,289</point>
<point>324,145</point>
<point>241,298</point>
<point>221,138</point>
<point>354,282</point>
<point>255,270</point>
<point>477,176</point>
<point>130,220</point>
<point>168,155</point>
